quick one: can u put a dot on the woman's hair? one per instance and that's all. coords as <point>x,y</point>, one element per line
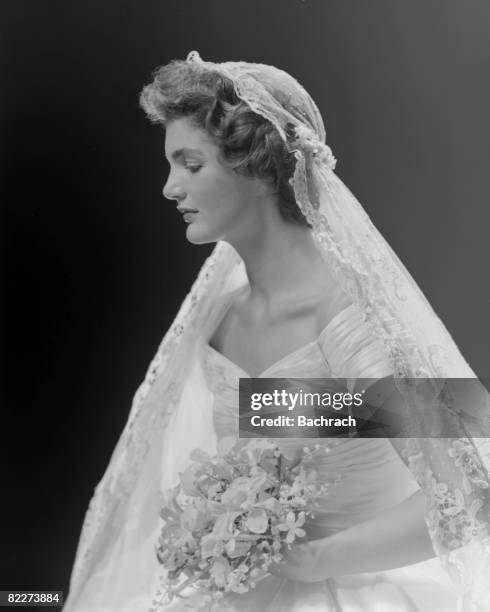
<point>248,142</point>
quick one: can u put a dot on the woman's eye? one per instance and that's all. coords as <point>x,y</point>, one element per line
<point>194,168</point>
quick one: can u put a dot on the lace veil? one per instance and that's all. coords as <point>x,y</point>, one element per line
<point>453,471</point>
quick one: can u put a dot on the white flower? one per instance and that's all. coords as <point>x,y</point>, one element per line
<point>309,142</point>
<point>293,526</point>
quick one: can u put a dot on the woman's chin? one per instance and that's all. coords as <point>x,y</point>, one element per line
<point>196,235</point>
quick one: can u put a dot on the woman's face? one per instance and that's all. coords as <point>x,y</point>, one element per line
<point>216,202</point>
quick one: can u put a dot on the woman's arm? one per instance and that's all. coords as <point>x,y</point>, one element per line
<point>395,538</point>
<point>392,539</point>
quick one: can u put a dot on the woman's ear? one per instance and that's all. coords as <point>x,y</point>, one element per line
<point>264,188</point>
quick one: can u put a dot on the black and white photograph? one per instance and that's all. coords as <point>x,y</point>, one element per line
<point>246,298</point>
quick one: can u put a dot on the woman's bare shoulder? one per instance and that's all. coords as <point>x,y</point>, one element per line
<point>226,311</point>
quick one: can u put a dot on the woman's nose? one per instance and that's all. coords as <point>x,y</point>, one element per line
<point>172,190</point>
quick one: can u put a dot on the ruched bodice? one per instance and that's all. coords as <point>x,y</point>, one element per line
<point>372,475</point>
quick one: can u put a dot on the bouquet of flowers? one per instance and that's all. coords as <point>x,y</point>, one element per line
<point>230,516</point>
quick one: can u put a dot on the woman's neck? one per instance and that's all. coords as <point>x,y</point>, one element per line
<point>281,256</point>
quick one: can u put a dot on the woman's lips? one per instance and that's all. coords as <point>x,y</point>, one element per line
<point>189,216</point>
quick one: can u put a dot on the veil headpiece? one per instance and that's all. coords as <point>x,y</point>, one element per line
<point>453,471</point>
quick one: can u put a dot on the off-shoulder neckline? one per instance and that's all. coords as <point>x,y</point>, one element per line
<point>316,342</point>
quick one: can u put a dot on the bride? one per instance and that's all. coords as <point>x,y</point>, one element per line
<point>300,284</point>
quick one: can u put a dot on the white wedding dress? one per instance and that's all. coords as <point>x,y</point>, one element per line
<point>373,479</point>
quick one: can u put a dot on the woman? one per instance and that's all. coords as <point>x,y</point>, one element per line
<point>300,285</point>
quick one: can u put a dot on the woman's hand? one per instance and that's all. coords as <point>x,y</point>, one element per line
<point>306,562</point>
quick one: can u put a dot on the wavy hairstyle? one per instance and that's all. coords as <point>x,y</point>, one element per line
<point>248,142</point>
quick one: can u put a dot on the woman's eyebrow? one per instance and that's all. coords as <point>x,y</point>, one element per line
<point>179,153</point>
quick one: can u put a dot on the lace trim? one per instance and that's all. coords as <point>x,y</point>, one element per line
<point>451,514</point>
<point>467,459</point>
<point>110,498</point>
